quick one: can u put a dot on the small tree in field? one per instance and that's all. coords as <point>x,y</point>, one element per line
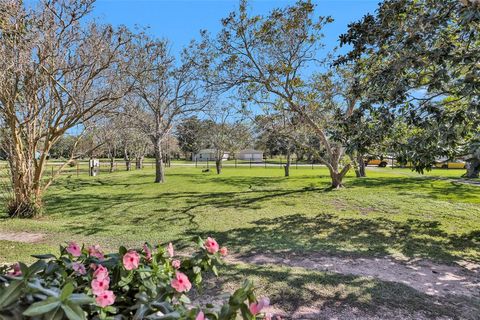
<point>164,93</point>
<point>266,58</point>
<point>56,71</point>
<point>226,132</point>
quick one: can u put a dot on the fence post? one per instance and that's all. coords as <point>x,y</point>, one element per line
<point>235,162</point>
<point>52,170</point>
<point>312,164</point>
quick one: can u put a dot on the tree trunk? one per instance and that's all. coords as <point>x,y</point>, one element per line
<point>218,165</point>
<point>26,193</point>
<point>336,175</point>
<point>473,169</point>
<point>159,165</point>
<point>128,163</point>
<point>361,166</point>
<point>112,164</point>
<point>287,165</point>
<point>139,162</point>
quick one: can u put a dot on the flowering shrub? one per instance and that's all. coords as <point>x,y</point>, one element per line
<point>152,283</point>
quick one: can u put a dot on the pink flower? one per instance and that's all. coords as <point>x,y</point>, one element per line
<point>268,316</point>
<point>170,250</point>
<point>95,251</point>
<point>200,316</point>
<point>256,307</point>
<point>16,271</point>
<point>79,268</point>
<point>181,282</point>
<point>74,249</point>
<point>100,272</point>
<point>100,285</point>
<point>106,298</point>
<point>211,245</point>
<point>223,251</point>
<point>176,264</point>
<point>93,266</point>
<point>148,252</point>
<point>131,260</point>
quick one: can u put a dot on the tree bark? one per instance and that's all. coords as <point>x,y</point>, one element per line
<point>139,162</point>
<point>361,166</point>
<point>218,165</point>
<point>337,176</point>
<point>287,165</point>
<point>473,169</point>
<point>159,165</point>
<point>112,164</point>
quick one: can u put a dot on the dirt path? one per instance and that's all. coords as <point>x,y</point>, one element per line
<point>442,282</point>
<point>26,237</point>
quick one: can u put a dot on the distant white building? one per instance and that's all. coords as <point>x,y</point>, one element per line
<point>208,155</point>
<point>250,155</point>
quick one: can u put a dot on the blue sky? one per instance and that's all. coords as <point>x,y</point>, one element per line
<point>181,20</point>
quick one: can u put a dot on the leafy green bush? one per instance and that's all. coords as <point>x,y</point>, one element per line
<point>85,283</point>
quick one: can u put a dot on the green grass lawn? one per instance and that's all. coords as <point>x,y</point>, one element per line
<point>390,213</point>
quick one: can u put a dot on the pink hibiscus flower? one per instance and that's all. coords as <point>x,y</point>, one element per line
<point>100,272</point>
<point>74,249</point>
<point>181,282</point>
<point>95,251</point>
<point>148,252</point>
<point>176,264</point>
<point>16,271</point>
<point>131,260</point>
<point>100,285</point>
<point>256,307</point>
<point>79,268</point>
<point>223,251</point>
<point>211,245</point>
<point>170,250</point>
<point>200,316</point>
<point>106,298</point>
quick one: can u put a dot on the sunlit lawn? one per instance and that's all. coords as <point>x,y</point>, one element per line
<point>390,212</point>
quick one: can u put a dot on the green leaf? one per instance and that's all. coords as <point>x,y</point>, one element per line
<point>11,293</point>
<point>56,314</point>
<point>80,298</point>
<point>215,271</point>
<point>122,250</point>
<point>41,307</point>
<point>44,256</point>
<point>66,291</point>
<point>184,299</point>
<point>73,312</point>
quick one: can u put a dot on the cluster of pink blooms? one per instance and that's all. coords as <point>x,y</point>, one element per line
<point>131,260</point>
<point>100,285</point>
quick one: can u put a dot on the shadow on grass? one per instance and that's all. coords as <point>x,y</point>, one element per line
<point>292,289</point>
<point>426,185</point>
<point>102,213</point>
<point>349,236</point>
